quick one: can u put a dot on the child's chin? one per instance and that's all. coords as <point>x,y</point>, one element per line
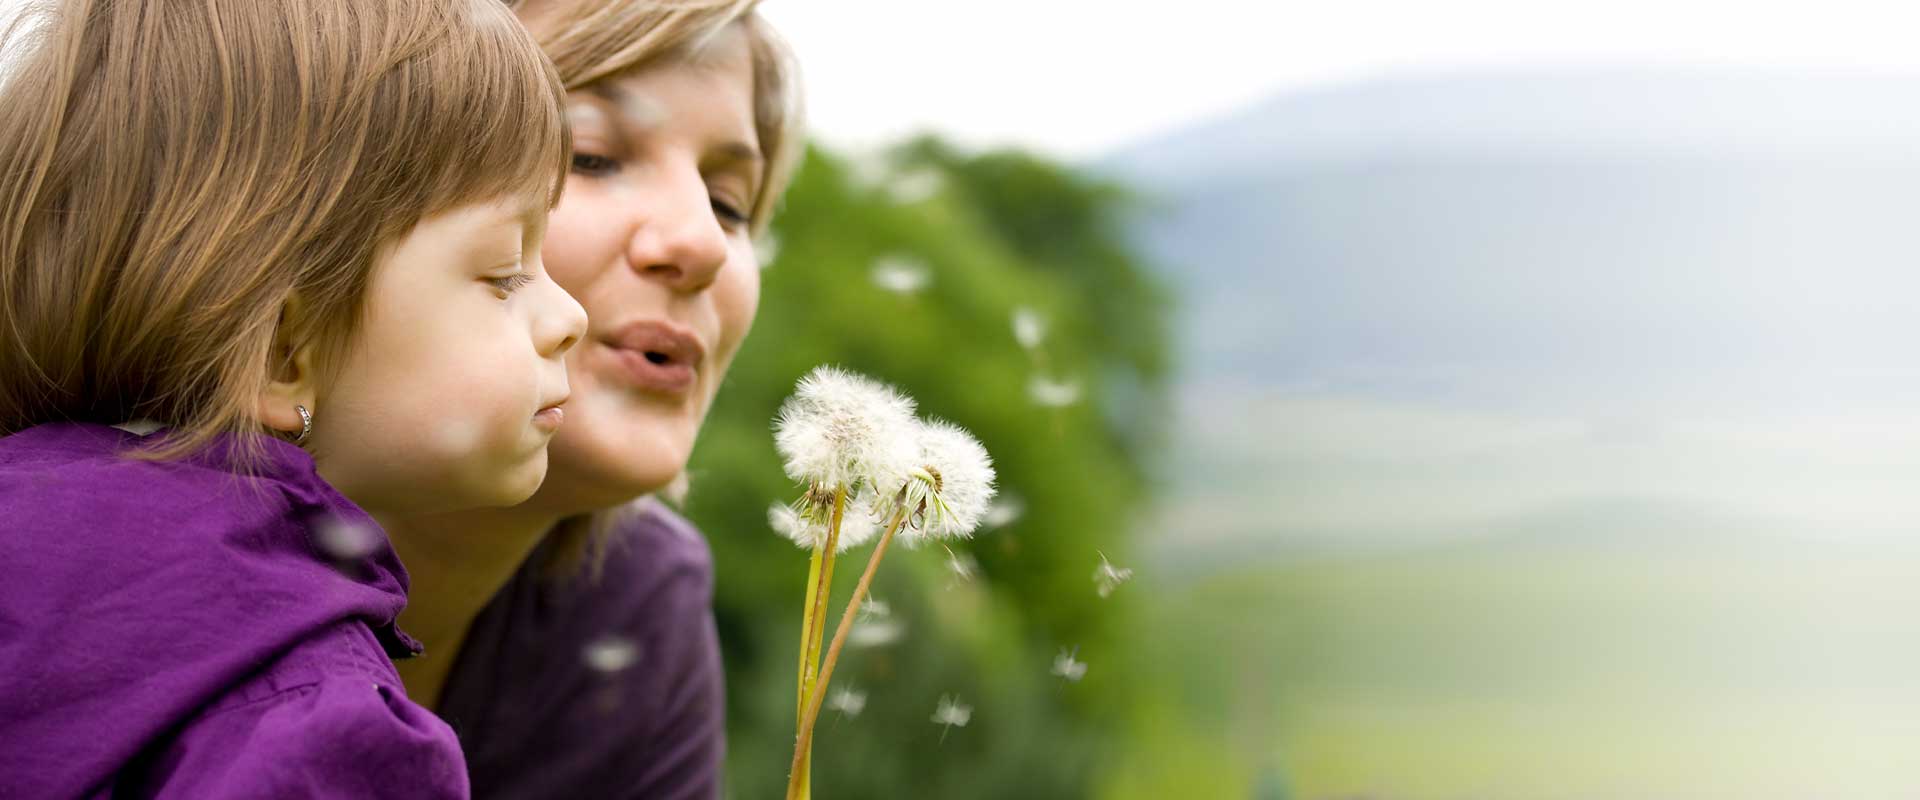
<point>512,485</point>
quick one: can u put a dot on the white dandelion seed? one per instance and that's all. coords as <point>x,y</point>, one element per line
<point>1029,328</point>
<point>874,608</point>
<point>345,541</point>
<point>876,633</point>
<point>610,653</point>
<point>949,492</point>
<point>901,275</point>
<point>1005,510</point>
<point>848,701</point>
<point>1048,392</point>
<point>809,531</point>
<point>963,566</point>
<point>869,168</point>
<point>915,185</point>
<point>841,430</point>
<point>675,492</point>
<point>766,249</point>
<point>951,714</point>
<point>1067,666</point>
<point>1108,577</point>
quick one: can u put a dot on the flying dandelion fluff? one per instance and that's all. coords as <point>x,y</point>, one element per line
<point>848,701</point>
<point>1048,392</point>
<point>950,714</point>
<point>1029,328</point>
<point>609,654</point>
<point>1108,577</point>
<point>1067,666</point>
<point>902,275</point>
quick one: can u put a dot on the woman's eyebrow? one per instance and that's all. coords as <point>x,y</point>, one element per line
<point>736,151</point>
<point>637,109</point>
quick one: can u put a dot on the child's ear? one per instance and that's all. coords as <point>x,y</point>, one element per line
<point>290,374</point>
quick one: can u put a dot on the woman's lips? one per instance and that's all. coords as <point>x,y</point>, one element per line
<point>657,356</point>
<point>647,373</point>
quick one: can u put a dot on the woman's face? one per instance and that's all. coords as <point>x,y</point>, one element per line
<point>651,237</point>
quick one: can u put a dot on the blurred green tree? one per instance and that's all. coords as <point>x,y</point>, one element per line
<point>990,233</point>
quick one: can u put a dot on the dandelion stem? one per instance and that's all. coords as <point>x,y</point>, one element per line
<point>819,589</point>
<point>803,748</point>
<point>806,638</point>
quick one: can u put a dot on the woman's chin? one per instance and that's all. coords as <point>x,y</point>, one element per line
<point>585,476</point>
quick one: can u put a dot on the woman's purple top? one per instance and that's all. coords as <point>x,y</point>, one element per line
<point>175,630</point>
<point>603,687</point>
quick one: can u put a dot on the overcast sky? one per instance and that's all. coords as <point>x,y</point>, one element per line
<point>1077,77</point>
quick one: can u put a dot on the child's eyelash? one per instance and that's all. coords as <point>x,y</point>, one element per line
<point>510,283</point>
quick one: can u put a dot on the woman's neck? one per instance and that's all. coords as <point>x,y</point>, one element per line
<point>455,564</point>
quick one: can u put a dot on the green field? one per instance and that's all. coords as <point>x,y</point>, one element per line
<point>1539,669</point>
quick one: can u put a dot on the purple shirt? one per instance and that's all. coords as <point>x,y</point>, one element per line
<point>607,688</point>
<point>174,630</point>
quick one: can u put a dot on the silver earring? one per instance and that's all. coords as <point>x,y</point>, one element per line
<point>306,422</point>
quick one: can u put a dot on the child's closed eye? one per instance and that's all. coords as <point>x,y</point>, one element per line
<point>508,284</point>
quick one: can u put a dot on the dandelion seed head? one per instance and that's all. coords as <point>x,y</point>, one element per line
<point>844,430</point>
<point>948,496</point>
<point>848,701</point>
<point>610,654</point>
<point>902,275</point>
<point>1108,577</point>
<point>1048,392</point>
<point>1068,667</point>
<point>809,530</point>
<point>1029,328</point>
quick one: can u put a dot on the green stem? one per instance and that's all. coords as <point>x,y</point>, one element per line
<point>797,782</point>
<point>819,589</point>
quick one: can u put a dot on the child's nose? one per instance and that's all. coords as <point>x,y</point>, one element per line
<point>561,323</point>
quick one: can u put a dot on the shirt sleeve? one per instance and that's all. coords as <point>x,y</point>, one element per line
<point>336,738</point>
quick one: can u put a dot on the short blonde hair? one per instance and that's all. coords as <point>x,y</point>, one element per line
<point>176,172</point>
<point>592,40</point>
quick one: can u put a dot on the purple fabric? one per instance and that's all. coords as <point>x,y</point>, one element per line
<point>539,720</point>
<point>173,630</point>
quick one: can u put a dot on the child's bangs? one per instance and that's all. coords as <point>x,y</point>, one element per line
<point>497,123</point>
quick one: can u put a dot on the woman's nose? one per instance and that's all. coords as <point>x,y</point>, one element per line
<point>679,242</point>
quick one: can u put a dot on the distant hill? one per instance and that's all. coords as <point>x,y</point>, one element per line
<point>1549,236</point>
<point>1533,249</point>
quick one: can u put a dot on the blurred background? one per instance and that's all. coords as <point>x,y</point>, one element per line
<point>1488,399</point>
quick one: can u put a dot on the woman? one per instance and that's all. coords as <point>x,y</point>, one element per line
<point>570,641</point>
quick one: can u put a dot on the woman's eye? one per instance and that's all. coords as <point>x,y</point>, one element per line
<point>592,165</point>
<point>729,213</point>
<point>510,283</point>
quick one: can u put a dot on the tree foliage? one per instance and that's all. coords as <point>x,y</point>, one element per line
<point>996,232</point>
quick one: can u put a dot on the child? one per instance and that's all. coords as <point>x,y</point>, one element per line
<point>269,275</point>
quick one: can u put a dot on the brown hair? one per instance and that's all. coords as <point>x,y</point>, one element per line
<point>187,183</point>
<point>592,40</point>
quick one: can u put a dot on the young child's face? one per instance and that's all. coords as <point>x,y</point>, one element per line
<point>453,384</point>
